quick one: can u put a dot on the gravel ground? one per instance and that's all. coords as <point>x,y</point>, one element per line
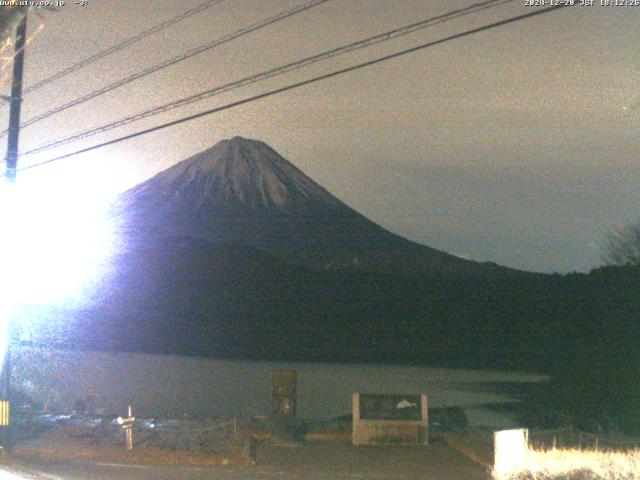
<point>313,461</point>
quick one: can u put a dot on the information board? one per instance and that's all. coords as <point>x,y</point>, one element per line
<point>284,405</point>
<point>390,407</point>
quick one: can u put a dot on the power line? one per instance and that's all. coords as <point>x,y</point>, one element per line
<point>179,58</point>
<point>296,85</point>
<point>121,46</point>
<point>289,67</point>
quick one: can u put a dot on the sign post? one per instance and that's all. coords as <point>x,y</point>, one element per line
<point>283,428</point>
<point>127,424</point>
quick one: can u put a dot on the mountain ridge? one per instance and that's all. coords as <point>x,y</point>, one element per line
<point>242,191</point>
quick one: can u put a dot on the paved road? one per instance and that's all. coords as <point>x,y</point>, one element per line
<point>314,461</point>
<point>67,471</point>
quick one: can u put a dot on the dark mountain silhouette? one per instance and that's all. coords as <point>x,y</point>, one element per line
<point>235,252</point>
<point>243,192</point>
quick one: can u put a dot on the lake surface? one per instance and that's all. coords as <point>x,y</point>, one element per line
<point>170,386</point>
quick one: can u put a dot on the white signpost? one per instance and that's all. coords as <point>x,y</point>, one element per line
<point>127,424</point>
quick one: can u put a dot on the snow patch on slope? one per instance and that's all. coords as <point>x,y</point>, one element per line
<point>239,171</point>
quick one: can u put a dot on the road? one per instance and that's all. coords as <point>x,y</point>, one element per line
<point>314,461</point>
<point>67,471</point>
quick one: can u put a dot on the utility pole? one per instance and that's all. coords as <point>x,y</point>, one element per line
<point>16,100</point>
<point>12,163</point>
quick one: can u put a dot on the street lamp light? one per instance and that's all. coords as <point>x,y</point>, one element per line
<point>55,245</point>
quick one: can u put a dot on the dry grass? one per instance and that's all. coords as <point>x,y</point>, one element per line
<point>578,465</point>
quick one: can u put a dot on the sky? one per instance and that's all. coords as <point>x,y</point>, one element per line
<point>517,145</point>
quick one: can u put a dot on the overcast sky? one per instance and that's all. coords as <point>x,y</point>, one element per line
<point>518,145</point>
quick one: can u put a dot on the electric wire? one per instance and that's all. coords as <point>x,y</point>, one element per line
<point>172,61</point>
<point>296,85</point>
<point>120,46</point>
<point>289,67</point>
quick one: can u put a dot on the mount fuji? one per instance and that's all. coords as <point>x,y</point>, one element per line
<point>235,252</point>
<point>243,192</point>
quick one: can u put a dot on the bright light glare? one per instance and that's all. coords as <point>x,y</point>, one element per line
<point>6,475</point>
<point>510,451</point>
<point>55,240</point>
<point>550,464</point>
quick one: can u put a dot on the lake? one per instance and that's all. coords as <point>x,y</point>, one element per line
<point>170,386</point>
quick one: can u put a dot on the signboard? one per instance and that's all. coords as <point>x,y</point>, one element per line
<point>284,405</point>
<point>382,419</point>
<point>390,407</point>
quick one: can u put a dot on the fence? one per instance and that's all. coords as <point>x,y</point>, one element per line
<point>570,437</point>
<point>192,435</point>
<point>477,444</point>
<point>215,435</point>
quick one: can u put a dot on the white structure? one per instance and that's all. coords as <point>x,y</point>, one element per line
<point>509,450</point>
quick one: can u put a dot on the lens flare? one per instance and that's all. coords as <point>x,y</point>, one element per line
<point>55,240</point>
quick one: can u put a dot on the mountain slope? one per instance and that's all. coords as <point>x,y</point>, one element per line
<point>180,296</point>
<point>243,192</point>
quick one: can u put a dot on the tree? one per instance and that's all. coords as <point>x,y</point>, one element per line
<point>623,246</point>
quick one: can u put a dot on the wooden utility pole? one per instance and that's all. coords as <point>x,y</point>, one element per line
<point>16,99</point>
<point>12,162</point>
